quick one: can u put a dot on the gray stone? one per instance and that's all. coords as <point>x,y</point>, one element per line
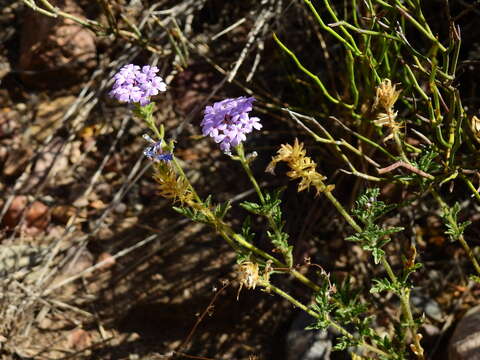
<point>304,344</point>
<point>465,342</point>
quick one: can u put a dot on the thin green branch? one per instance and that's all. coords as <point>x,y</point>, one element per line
<point>330,30</point>
<point>310,74</point>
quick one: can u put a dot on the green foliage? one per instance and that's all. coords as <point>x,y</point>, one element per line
<point>384,284</point>
<point>247,233</point>
<point>373,237</point>
<point>192,213</point>
<point>455,229</point>
<point>400,118</point>
<point>368,208</point>
<point>144,112</point>
<point>475,278</point>
<point>221,210</point>
<point>322,306</point>
<point>388,92</point>
<point>349,307</point>
<point>270,208</point>
<point>426,161</point>
<point>343,342</point>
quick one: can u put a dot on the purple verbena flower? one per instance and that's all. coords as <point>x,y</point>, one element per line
<point>228,122</point>
<point>155,152</point>
<point>135,85</point>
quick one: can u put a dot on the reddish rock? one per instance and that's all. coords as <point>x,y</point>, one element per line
<point>14,212</point>
<point>37,215</point>
<point>55,52</point>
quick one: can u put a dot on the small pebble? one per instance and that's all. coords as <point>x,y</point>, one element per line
<point>120,208</point>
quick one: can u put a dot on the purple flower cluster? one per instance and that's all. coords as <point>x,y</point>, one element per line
<point>135,85</point>
<point>228,121</point>
<point>154,152</point>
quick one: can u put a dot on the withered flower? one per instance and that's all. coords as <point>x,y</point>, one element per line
<point>475,126</point>
<point>385,99</point>
<point>386,96</point>
<point>302,167</point>
<point>248,275</point>
<point>172,186</point>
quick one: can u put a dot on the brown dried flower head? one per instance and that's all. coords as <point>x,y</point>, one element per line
<point>386,96</point>
<point>248,275</point>
<point>302,167</point>
<point>170,185</point>
<point>475,126</point>
<point>385,99</point>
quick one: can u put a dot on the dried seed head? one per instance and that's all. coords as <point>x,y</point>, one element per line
<point>386,96</point>
<point>385,119</point>
<point>172,186</point>
<point>301,167</point>
<point>248,275</point>
<point>475,126</point>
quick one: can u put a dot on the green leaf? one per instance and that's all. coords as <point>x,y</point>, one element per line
<point>144,112</point>
<point>450,218</point>
<point>221,210</point>
<point>252,207</point>
<point>343,343</point>
<point>381,285</point>
<point>368,208</point>
<point>247,233</point>
<point>475,278</point>
<point>192,214</point>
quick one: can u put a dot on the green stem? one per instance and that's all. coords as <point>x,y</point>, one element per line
<point>248,171</point>
<point>470,185</point>
<point>419,27</point>
<point>182,174</point>
<point>345,32</point>
<point>366,32</point>
<point>271,222</point>
<point>310,74</point>
<point>351,76</point>
<point>470,253</point>
<point>342,211</point>
<point>399,144</point>
<point>330,30</point>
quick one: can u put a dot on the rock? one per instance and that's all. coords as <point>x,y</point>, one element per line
<point>37,215</point>
<point>78,339</point>
<point>14,212</point>
<point>120,208</point>
<point>55,52</point>
<point>63,213</point>
<point>304,344</point>
<point>465,341</point>
<point>423,304</point>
